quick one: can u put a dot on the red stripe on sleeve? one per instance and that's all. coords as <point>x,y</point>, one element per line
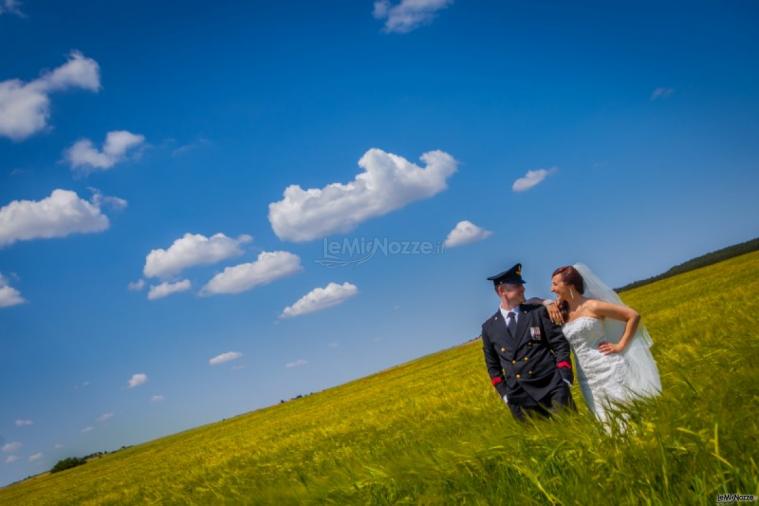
<point>565,364</point>
<point>496,379</point>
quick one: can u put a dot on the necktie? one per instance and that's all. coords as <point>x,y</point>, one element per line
<point>512,323</point>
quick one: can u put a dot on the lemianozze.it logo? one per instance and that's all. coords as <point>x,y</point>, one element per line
<point>358,250</point>
<point>728,498</point>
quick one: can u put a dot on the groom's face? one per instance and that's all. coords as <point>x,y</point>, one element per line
<point>513,293</point>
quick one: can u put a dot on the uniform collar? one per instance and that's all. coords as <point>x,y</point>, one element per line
<point>516,309</point>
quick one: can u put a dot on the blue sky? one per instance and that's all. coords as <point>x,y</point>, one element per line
<point>621,135</point>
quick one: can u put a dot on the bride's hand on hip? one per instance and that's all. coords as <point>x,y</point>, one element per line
<point>608,348</point>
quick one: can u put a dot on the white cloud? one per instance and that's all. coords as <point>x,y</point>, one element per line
<point>11,7</point>
<point>23,423</point>
<point>225,357</point>
<point>136,286</point>
<point>11,459</point>
<point>532,178</point>
<point>104,417</point>
<point>58,446</point>
<point>82,155</point>
<point>25,107</point>
<point>168,288</point>
<point>407,15</point>
<point>12,446</point>
<point>320,298</point>
<point>88,428</point>
<point>101,200</point>
<point>9,296</point>
<point>35,456</point>
<point>388,182</point>
<point>185,148</point>
<point>78,72</point>
<point>190,250</point>
<point>57,215</point>
<point>661,93</point>
<point>465,232</point>
<point>157,398</point>
<point>269,265</point>
<point>138,379</point>
<point>296,363</point>
<point>23,110</point>
<point>83,384</point>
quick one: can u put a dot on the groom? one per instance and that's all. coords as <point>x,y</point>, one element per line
<point>526,354</point>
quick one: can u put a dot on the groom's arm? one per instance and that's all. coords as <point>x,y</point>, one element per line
<point>493,364</point>
<point>559,344</point>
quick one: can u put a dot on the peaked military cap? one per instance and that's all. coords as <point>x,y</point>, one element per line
<point>513,276</point>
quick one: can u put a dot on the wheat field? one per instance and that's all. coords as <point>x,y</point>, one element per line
<point>433,431</point>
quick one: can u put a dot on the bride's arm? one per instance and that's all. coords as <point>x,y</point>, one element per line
<point>617,312</point>
<point>553,309</point>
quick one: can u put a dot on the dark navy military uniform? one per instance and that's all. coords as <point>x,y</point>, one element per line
<point>531,366</point>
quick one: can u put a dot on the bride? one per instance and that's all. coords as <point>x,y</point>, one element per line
<point>611,345</point>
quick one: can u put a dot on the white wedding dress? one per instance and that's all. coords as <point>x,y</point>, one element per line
<point>617,377</point>
<point>601,377</point>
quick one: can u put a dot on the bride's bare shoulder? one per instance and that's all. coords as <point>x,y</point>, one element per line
<point>601,309</point>
<point>593,306</point>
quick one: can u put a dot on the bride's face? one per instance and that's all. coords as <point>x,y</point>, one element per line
<point>559,287</point>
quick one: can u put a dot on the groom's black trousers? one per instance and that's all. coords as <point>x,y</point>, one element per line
<point>521,404</point>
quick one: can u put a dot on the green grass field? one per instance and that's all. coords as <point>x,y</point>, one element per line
<point>433,431</point>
